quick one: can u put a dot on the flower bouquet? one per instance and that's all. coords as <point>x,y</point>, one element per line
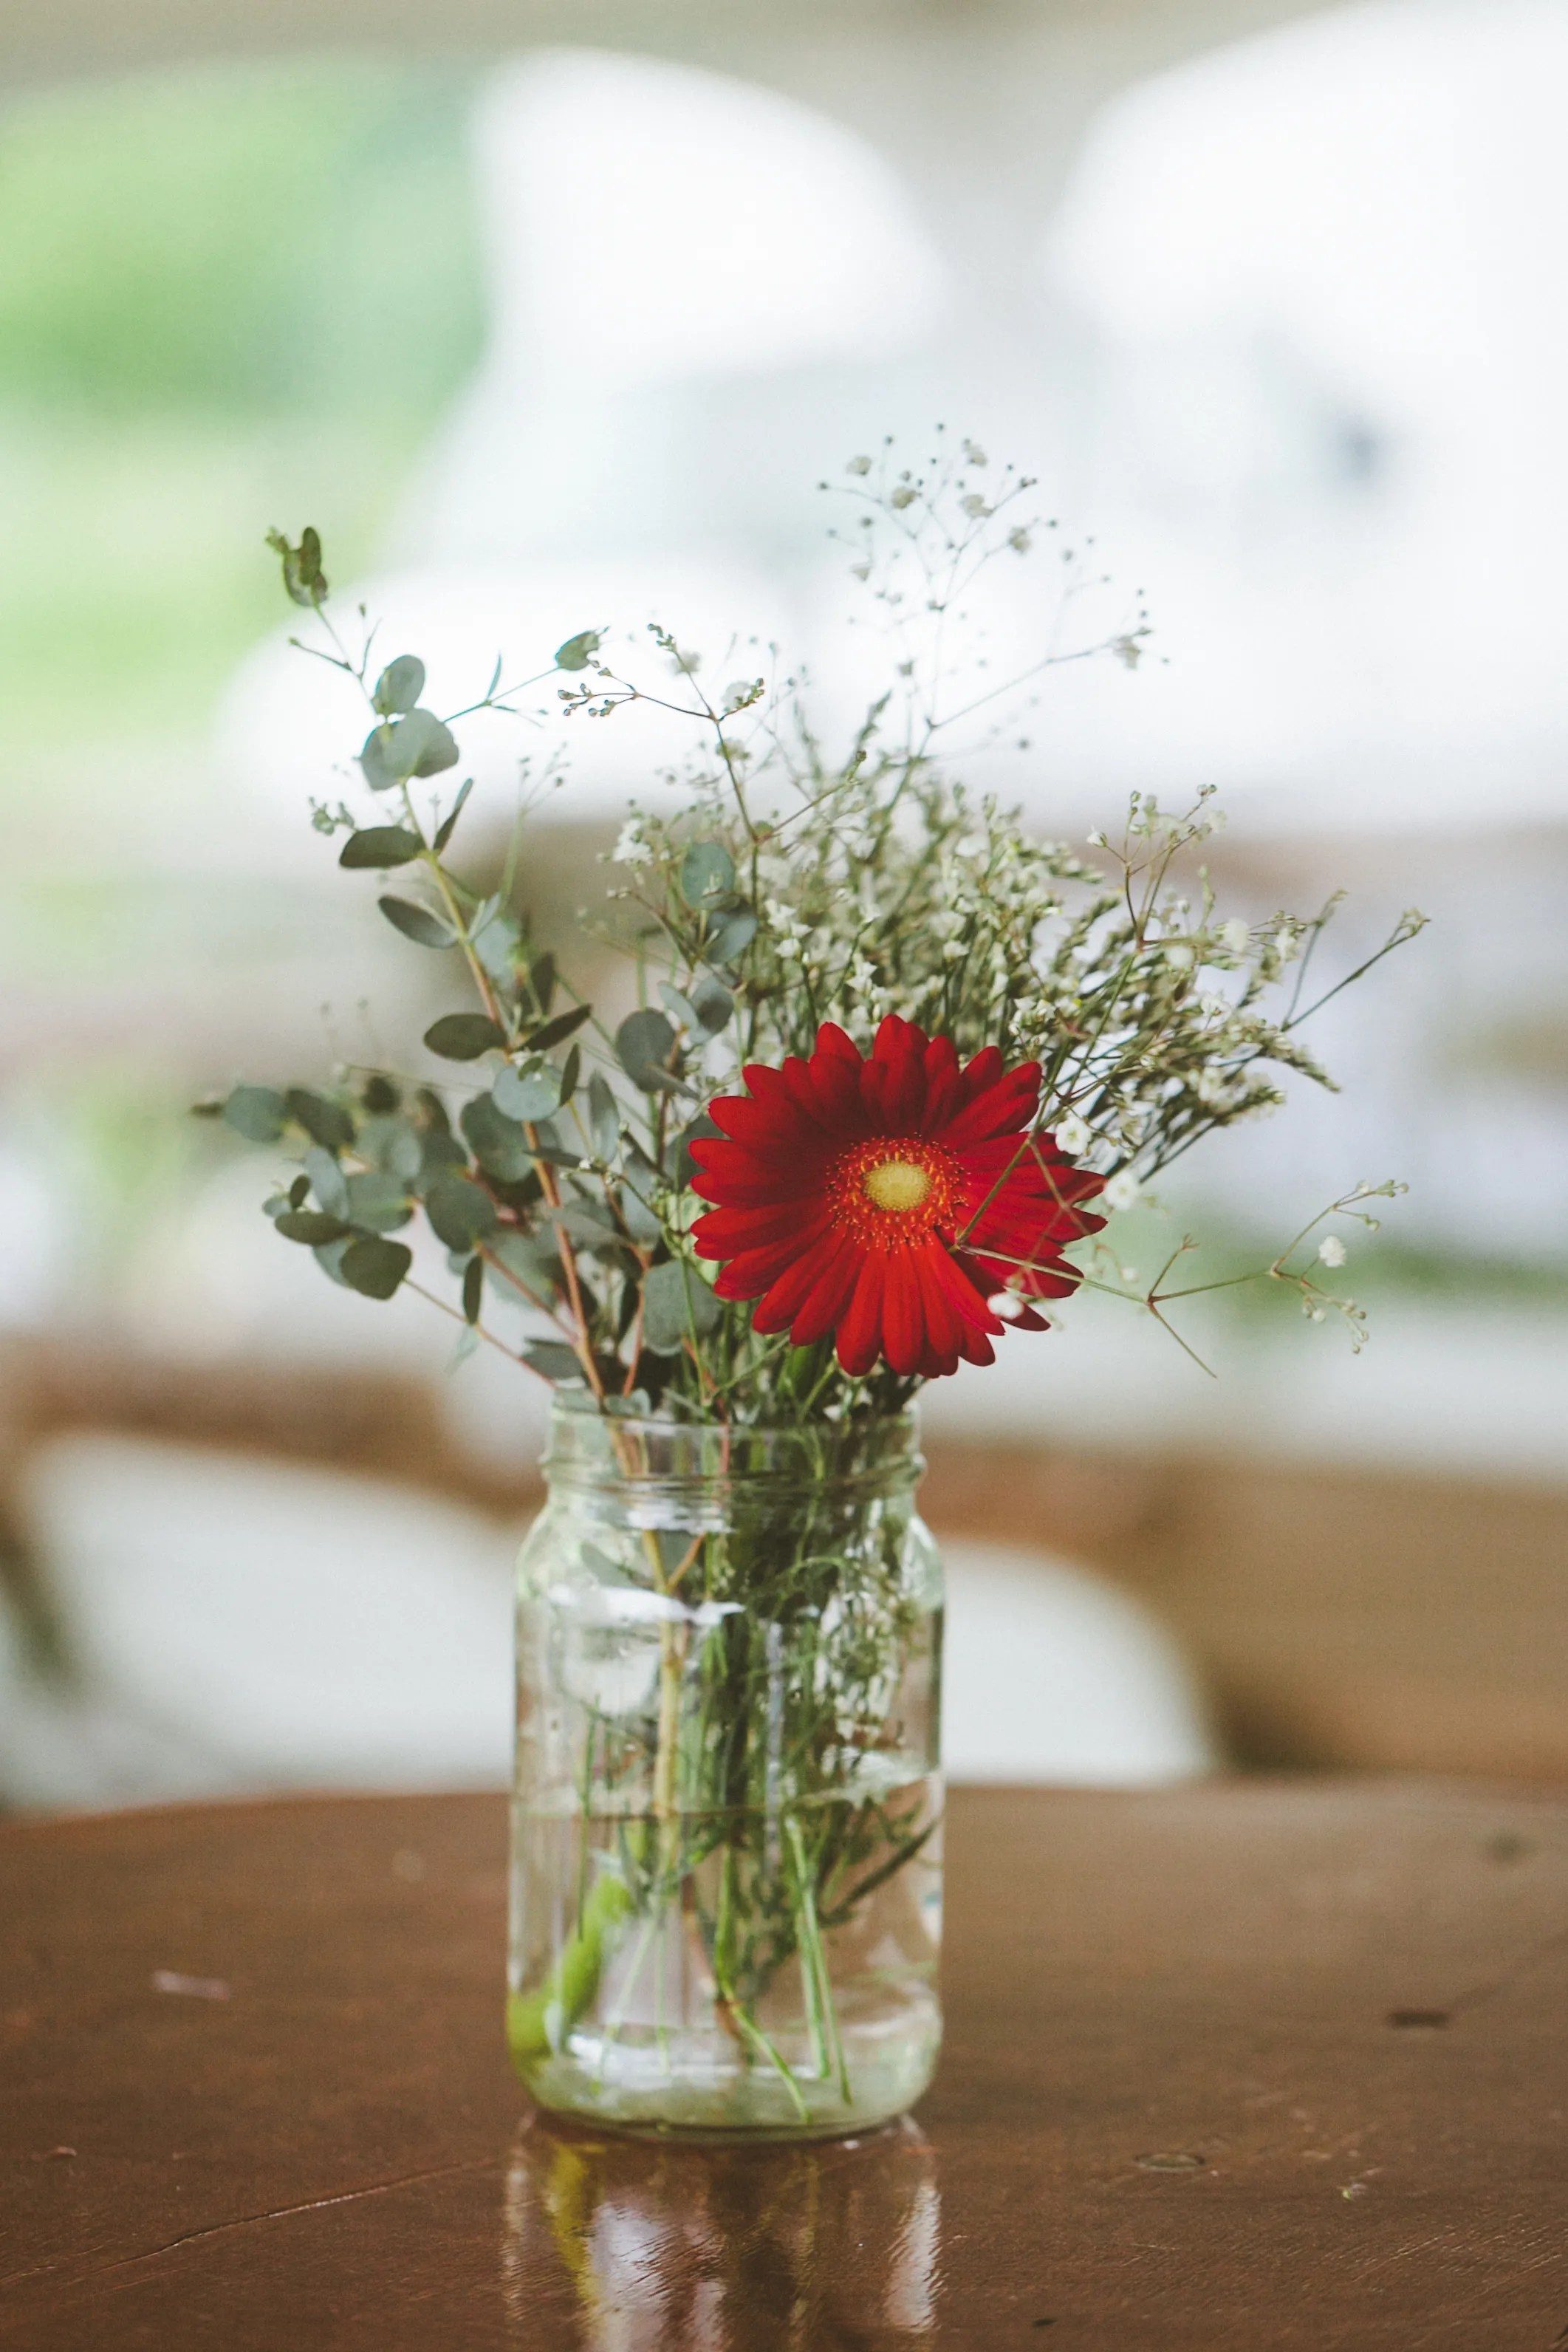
<point>866,1070</point>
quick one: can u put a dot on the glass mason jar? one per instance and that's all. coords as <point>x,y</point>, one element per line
<point>726,1888</point>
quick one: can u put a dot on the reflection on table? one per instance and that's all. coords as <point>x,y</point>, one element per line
<point>662,2247</point>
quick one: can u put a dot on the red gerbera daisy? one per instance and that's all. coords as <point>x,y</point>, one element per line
<point>889,1199</point>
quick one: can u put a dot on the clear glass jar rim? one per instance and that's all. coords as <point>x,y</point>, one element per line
<point>589,1448</point>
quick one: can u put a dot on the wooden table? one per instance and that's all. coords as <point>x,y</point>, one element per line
<point>1251,2065</point>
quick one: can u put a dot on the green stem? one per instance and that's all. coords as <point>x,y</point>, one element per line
<point>815,1979</point>
<point>537,2021</point>
<point>751,2033</point>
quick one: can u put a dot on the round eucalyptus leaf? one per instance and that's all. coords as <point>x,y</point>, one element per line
<point>677,1305</point>
<point>730,935</point>
<point>579,651</point>
<point>636,1197</point>
<point>712,1002</point>
<point>311,1225</point>
<point>399,748</point>
<point>380,844</point>
<point>603,1116</point>
<point>497,1143</point>
<point>708,873</point>
<point>326,1181</point>
<point>421,924</point>
<point>645,1042</point>
<point>528,1090</point>
<point>679,1007</point>
<point>375,1268</point>
<point>329,1257</point>
<point>591,1226</point>
<point>439,1150</point>
<point>394,1146</point>
<point>464,1036</point>
<point>554,1358</point>
<point>460,1213</point>
<point>495,938</point>
<point>379,1201</point>
<point>325,1122</point>
<point>532,1258</point>
<point>256,1112</point>
<point>400,685</point>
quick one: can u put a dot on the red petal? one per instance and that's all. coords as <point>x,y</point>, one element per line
<point>833,1041</point>
<point>747,1121</point>
<point>943,1322</point>
<point>838,1089</point>
<point>959,1289</point>
<point>997,1110</point>
<point>982,1072</point>
<point>903,1324</point>
<point>728,1229</point>
<point>789,1293</point>
<point>860,1333</point>
<point>803,1094</point>
<point>895,1034</point>
<point>830,1295</point>
<point>751,1273</point>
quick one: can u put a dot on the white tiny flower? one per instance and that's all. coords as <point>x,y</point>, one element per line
<point>858,465</point>
<point>1005,1303</point>
<point>973,453</point>
<point>1019,541</point>
<point>975,506</point>
<point>631,849</point>
<point>1179,954</point>
<point>1236,935</point>
<point>1123,1189</point>
<point>1331,1250</point>
<point>1074,1135</point>
<point>1096,840</point>
<point>901,498</point>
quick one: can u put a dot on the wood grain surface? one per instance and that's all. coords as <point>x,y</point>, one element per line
<point>1243,2065</point>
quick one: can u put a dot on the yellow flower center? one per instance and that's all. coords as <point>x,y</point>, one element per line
<point>896,1185</point>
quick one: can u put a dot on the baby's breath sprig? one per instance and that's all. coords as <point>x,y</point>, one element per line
<point>773,884</point>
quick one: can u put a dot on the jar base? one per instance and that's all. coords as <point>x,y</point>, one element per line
<point>683,2087</point>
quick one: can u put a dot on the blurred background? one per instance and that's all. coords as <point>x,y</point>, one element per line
<point>550,318</point>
